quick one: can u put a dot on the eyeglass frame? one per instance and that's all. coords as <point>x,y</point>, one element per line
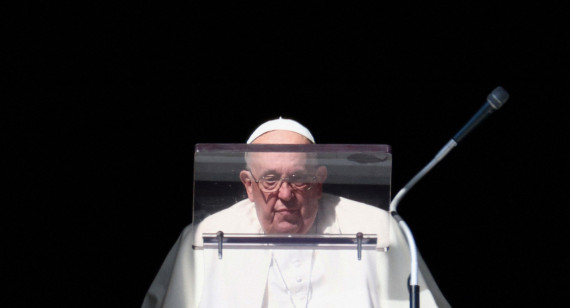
<point>281,180</point>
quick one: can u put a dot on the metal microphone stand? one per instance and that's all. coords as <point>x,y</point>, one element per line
<point>494,101</point>
<point>414,286</point>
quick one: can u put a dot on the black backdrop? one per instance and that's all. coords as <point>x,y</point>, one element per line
<point>104,103</point>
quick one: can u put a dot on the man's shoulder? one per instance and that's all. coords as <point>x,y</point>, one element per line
<point>354,208</point>
<point>238,218</point>
<point>353,216</point>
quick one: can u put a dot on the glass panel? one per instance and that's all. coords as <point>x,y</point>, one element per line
<point>301,196</point>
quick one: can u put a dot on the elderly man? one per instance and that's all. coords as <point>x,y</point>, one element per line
<point>285,196</point>
<point>283,208</point>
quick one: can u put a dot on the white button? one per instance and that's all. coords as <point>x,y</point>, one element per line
<point>299,279</point>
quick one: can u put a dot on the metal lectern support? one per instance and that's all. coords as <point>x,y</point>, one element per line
<point>414,286</point>
<point>359,237</point>
<point>221,240</point>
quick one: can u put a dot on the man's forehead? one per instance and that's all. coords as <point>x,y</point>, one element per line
<point>278,158</point>
<point>282,162</point>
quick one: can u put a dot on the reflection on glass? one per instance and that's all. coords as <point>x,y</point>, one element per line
<point>292,190</point>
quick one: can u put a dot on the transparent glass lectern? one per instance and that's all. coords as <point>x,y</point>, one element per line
<point>291,224</point>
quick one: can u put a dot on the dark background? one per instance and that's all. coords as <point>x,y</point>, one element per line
<point>103,105</point>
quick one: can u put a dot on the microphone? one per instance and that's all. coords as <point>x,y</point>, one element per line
<point>495,100</point>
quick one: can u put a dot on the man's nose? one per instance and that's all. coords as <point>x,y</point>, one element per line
<point>285,191</point>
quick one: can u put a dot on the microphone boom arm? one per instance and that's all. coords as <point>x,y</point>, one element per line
<point>414,286</point>
<point>494,101</point>
<point>440,155</point>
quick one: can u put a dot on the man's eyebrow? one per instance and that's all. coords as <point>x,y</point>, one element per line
<point>294,172</point>
<point>270,171</point>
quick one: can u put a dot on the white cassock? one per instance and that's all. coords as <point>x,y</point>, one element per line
<point>196,277</point>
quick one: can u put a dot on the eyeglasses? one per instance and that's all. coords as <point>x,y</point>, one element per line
<point>271,183</point>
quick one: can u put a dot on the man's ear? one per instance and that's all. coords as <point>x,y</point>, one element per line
<point>321,177</point>
<point>247,183</point>
<point>321,174</point>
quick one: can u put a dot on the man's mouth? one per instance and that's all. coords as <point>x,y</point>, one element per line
<point>287,211</point>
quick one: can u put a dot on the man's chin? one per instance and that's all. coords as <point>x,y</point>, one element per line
<point>287,228</point>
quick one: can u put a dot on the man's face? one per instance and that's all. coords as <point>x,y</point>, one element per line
<point>287,209</point>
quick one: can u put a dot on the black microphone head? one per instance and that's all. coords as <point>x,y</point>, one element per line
<point>498,97</point>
